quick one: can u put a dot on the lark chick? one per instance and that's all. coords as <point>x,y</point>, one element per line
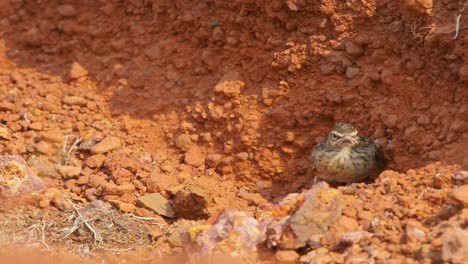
<point>344,156</point>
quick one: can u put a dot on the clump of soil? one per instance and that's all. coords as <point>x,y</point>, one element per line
<point>218,104</point>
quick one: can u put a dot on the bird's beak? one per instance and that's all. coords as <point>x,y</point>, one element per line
<point>348,139</point>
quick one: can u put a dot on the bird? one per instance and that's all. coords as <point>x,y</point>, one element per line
<point>346,157</point>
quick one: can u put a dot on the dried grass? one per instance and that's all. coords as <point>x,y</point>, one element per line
<point>82,230</point>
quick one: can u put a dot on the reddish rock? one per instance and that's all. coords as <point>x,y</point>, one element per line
<point>77,71</point>
<point>159,182</point>
<point>455,246</point>
<point>460,194</point>
<point>212,160</point>
<point>106,145</point>
<point>183,142</point>
<point>52,136</point>
<point>157,203</point>
<point>69,171</point>
<point>67,10</point>
<point>286,256</point>
<point>191,203</point>
<point>124,207</point>
<point>75,100</point>
<point>95,161</point>
<point>194,157</point>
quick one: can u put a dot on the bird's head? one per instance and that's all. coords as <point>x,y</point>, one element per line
<point>343,135</point>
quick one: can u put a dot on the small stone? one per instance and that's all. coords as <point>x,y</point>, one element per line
<point>229,88</point>
<point>327,69</point>
<point>191,203</point>
<point>183,142</point>
<point>365,215</point>
<point>455,246</point>
<point>352,72</point>
<point>387,76</point>
<point>77,71</point>
<point>353,49</point>
<point>68,172</point>
<point>42,165</point>
<point>114,189</point>
<point>158,204</point>
<point>159,182</point>
<point>390,120</point>
<point>287,256</point>
<point>5,133</point>
<point>458,125</point>
<point>194,157</point>
<point>212,160</point>
<point>423,120</point>
<point>67,10</point>
<point>107,144</point>
<point>461,195</point>
<point>7,106</point>
<point>122,206</point>
<point>52,136</point>
<point>218,34</point>
<point>415,231</point>
<point>44,148</point>
<point>95,161</point>
<point>463,72</point>
<point>75,100</point>
<point>242,156</point>
<point>36,126</point>
<point>461,177</point>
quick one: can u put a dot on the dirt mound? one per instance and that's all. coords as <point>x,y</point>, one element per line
<point>218,104</point>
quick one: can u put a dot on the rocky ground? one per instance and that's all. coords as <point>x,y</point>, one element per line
<point>128,127</point>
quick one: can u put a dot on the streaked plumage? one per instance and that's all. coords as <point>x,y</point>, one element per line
<point>344,156</point>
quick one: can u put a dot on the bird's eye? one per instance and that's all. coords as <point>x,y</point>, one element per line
<point>334,136</point>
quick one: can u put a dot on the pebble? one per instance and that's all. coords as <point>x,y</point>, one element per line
<point>112,188</point>
<point>159,182</point>
<point>95,161</point>
<point>455,246</point>
<point>5,133</point>
<point>286,256</point>
<point>68,172</point>
<point>191,203</point>
<point>107,144</point>
<point>158,204</point>
<point>242,156</point>
<point>212,160</point>
<point>423,120</point>
<point>38,126</point>
<point>67,10</point>
<point>194,157</point>
<point>52,136</point>
<point>7,106</point>
<point>42,165</point>
<point>183,142</point>
<point>365,215</point>
<point>218,33</point>
<point>44,148</point>
<point>353,49</point>
<point>390,120</point>
<point>415,231</point>
<point>75,100</point>
<point>463,72</point>
<point>122,206</point>
<point>327,69</point>
<point>352,72</point>
<point>77,71</point>
<point>461,195</point>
